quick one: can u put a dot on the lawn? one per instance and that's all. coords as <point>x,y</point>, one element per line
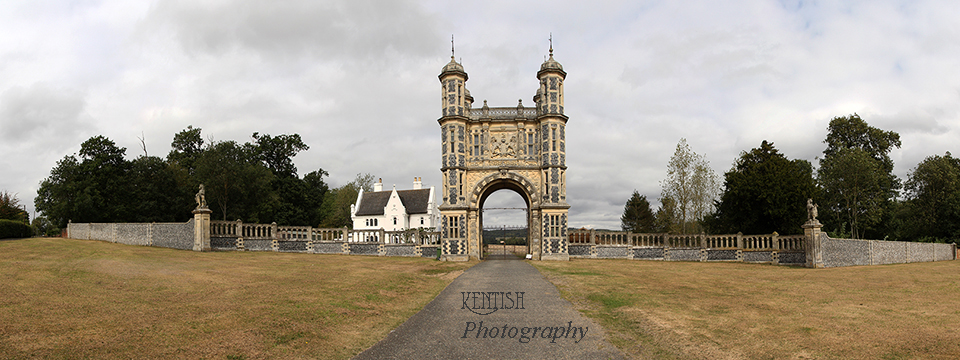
<point>62,298</point>
<point>655,309</point>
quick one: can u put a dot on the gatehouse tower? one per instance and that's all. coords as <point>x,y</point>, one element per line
<point>486,149</point>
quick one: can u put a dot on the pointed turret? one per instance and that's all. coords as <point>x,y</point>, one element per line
<point>550,96</point>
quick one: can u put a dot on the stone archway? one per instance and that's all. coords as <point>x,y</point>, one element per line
<point>517,148</point>
<point>520,186</point>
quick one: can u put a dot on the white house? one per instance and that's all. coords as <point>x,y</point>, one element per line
<point>396,210</point>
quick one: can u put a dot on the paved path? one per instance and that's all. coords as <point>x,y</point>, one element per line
<point>458,325</point>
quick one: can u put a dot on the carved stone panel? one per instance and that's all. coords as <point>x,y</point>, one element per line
<point>503,145</point>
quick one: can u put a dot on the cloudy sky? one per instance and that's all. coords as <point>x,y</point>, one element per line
<point>358,81</point>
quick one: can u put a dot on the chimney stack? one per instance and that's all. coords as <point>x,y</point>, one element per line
<point>417,185</point>
<point>379,185</point>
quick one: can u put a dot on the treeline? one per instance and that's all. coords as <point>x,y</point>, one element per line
<point>14,219</point>
<point>253,182</point>
<point>857,193</point>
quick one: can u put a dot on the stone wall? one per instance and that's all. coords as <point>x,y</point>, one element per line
<point>170,235</point>
<point>174,235</point>
<point>848,252</point>
<point>663,253</point>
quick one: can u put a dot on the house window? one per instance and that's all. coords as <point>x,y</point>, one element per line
<point>394,220</point>
<point>421,221</point>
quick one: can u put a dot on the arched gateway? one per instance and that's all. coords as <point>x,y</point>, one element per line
<point>515,148</point>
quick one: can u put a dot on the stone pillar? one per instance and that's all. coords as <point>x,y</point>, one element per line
<point>535,234</point>
<point>814,252</point>
<point>474,235</point>
<point>201,229</point>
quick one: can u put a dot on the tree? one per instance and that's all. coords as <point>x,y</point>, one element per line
<point>237,186</point>
<point>764,192</point>
<point>856,176</point>
<point>58,195</point>
<point>253,182</point>
<point>107,187</point>
<point>665,218</point>
<point>637,216</point>
<point>852,180</point>
<point>187,146</point>
<point>277,153</point>
<point>296,203</point>
<point>93,188</point>
<point>692,184</point>
<point>158,196</point>
<point>10,208</point>
<point>44,227</point>
<point>932,209</point>
<point>316,191</point>
<point>853,132</point>
<point>336,205</point>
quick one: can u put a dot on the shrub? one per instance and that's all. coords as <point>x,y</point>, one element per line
<point>14,229</point>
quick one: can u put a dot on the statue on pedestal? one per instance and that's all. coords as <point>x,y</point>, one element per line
<point>811,211</point>
<point>201,198</point>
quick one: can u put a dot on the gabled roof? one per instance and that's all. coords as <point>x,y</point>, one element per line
<point>372,203</point>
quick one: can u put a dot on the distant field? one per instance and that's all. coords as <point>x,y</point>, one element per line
<point>91,299</point>
<point>655,309</point>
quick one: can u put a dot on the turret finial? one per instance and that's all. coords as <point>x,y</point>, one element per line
<point>452,51</point>
<point>551,44</point>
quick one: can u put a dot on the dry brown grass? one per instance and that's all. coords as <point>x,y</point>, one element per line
<point>654,309</point>
<point>91,299</point>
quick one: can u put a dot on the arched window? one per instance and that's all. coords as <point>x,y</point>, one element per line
<point>394,220</point>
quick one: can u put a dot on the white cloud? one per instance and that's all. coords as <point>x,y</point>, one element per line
<point>357,80</point>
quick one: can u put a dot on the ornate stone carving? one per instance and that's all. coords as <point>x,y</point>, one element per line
<point>502,146</point>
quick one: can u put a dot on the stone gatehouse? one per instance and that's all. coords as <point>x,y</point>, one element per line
<point>487,149</point>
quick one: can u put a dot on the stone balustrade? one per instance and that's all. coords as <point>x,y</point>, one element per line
<point>764,248</point>
<point>507,113</point>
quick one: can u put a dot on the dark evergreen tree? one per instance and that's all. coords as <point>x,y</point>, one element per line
<point>764,192</point>
<point>637,216</point>
<point>665,217</point>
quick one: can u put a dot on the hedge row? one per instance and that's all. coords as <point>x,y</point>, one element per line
<point>14,229</point>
